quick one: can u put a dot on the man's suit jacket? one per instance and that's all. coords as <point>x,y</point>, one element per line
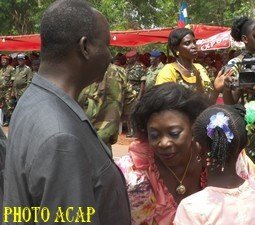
<point>55,159</point>
<point>3,142</point>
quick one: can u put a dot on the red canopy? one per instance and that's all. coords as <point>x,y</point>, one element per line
<point>205,31</point>
<point>130,38</point>
<point>20,43</point>
<point>133,38</point>
<point>218,41</point>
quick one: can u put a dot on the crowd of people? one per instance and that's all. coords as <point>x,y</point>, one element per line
<point>107,110</point>
<point>191,162</point>
<point>108,104</point>
<point>15,75</point>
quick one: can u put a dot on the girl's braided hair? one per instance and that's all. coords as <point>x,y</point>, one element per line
<point>218,146</point>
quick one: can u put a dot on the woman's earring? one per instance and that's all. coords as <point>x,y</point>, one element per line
<point>198,158</point>
<point>177,53</point>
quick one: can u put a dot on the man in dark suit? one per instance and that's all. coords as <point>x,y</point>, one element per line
<point>55,159</point>
<point>3,143</point>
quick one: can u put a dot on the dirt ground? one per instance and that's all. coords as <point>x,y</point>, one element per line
<point>119,149</point>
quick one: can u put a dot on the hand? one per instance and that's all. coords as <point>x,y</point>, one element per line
<point>223,79</point>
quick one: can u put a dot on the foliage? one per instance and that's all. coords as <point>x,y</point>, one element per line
<point>138,14</point>
<point>219,12</point>
<point>23,16</point>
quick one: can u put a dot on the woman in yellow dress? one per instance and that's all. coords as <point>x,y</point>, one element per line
<point>194,76</point>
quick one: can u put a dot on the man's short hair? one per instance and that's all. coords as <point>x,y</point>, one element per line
<point>62,26</point>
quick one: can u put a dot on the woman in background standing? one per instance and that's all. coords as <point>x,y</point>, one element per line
<point>194,76</point>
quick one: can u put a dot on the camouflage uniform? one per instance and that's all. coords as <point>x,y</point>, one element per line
<point>22,78</point>
<point>151,75</point>
<point>134,73</point>
<point>103,102</point>
<point>211,72</point>
<point>6,100</point>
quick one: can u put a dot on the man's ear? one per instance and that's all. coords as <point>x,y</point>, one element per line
<point>244,39</point>
<point>83,45</point>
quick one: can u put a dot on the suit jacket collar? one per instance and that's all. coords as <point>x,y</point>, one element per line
<point>49,86</point>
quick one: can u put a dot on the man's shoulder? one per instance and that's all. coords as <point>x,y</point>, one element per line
<point>39,102</point>
<point>10,68</point>
<point>116,74</point>
<point>24,68</point>
<point>36,108</point>
<point>27,68</point>
<point>41,120</point>
<point>114,67</point>
<point>234,61</point>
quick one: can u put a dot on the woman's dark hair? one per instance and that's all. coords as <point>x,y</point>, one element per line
<point>241,27</point>
<point>219,148</point>
<point>176,36</point>
<point>168,96</point>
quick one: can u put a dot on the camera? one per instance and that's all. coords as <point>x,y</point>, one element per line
<point>246,77</point>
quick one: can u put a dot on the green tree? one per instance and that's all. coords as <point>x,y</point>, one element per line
<point>23,16</point>
<point>219,12</point>
<point>138,14</point>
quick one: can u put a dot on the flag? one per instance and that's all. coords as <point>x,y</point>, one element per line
<point>183,14</point>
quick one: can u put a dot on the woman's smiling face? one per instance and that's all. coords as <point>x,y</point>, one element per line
<point>169,134</point>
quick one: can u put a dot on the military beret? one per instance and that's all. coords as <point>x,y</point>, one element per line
<point>155,54</point>
<point>131,54</point>
<point>5,57</point>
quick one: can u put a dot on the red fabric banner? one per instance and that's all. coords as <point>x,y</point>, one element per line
<point>222,40</point>
<point>129,38</point>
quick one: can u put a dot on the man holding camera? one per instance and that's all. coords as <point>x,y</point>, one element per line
<point>233,80</point>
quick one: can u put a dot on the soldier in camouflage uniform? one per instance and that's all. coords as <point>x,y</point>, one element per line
<point>156,65</point>
<point>135,71</point>
<point>22,77</point>
<point>6,101</point>
<point>103,103</point>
